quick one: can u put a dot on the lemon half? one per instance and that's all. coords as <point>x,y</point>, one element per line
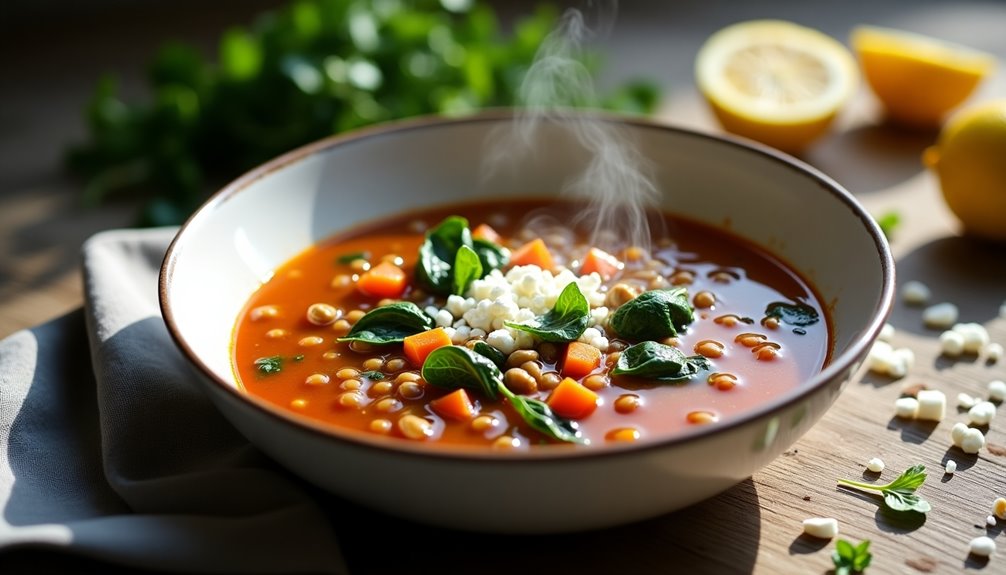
<point>775,81</point>
<point>917,78</point>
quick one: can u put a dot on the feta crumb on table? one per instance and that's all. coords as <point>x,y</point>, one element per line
<point>969,439</point>
<point>975,336</point>
<point>821,527</point>
<point>951,467</point>
<point>965,401</point>
<point>886,333</point>
<point>932,405</point>
<point>982,413</point>
<point>906,407</point>
<point>983,546</point>
<point>941,315</point>
<point>875,465</point>
<point>993,352</point>
<point>915,293</point>
<point>991,521</point>
<point>997,390</point>
<point>884,359</point>
<point>951,343</point>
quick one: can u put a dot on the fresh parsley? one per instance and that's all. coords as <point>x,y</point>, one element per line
<point>849,558</point>
<point>346,259</point>
<point>888,221</point>
<point>899,495</point>
<point>797,314</point>
<point>269,365</point>
<point>373,375</point>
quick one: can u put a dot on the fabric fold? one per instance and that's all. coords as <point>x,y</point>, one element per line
<point>109,448</point>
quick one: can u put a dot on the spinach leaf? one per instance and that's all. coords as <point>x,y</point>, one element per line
<point>653,315</point>
<point>439,250</point>
<point>390,324</point>
<point>269,365</point>
<point>539,416</point>
<point>659,362</point>
<point>566,321</point>
<point>798,314</point>
<point>492,256</point>
<point>373,375</point>
<point>496,356</point>
<point>454,366</point>
<point>467,268</point>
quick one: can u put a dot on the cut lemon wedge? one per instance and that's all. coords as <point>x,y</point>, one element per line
<point>917,78</point>
<point>774,81</point>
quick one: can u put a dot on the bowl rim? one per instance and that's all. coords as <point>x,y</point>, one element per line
<point>394,446</point>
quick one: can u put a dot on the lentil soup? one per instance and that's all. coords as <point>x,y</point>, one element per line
<point>476,324</point>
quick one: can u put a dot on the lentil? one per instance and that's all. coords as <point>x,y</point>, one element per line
<point>347,373</point>
<point>521,356</point>
<point>380,426</point>
<point>298,403</point>
<point>627,403</point>
<point>381,388</point>
<point>310,341</point>
<point>352,399</point>
<point>722,381</point>
<point>505,442</point>
<point>373,364</point>
<point>704,300</point>
<point>415,427</point>
<point>317,379</point>
<point>483,423</point>
<point>709,348</point>
<point>276,333</point>
<point>322,314</point>
<point>410,390</point>
<point>395,364</point>
<point>388,405</point>
<point>264,312</point>
<point>596,382</point>
<point>702,417</point>
<point>627,434</point>
<point>351,384</point>
<point>520,381</point>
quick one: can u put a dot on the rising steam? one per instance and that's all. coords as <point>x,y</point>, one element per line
<point>615,190</point>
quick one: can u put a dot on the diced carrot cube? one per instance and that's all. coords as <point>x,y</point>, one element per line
<point>572,400</point>
<point>485,232</point>
<point>600,261</point>
<point>455,405</point>
<point>383,280</point>
<point>580,359</point>
<point>533,253</point>
<point>420,345</point>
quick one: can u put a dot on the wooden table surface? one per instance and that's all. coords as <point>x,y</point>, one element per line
<point>753,527</point>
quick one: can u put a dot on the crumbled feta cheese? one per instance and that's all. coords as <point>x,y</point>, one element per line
<point>886,333</point>
<point>951,467</point>
<point>965,401</point>
<point>822,527</point>
<point>941,315</point>
<point>443,318</point>
<point>915,293</point>
<point>975,336</point>
<point>982,413</point>
<point>993,352</point>
<point>885,360</point>
<point>999,507</point>
<point>875,465</point>
<point>983,546</point>
<point>957,433</point>
<point>973,441</point>
<point>951,343</point>
<point>932,405</point>
<point>502,340</point>
<point>906,407</point>
<point>991,521</point>
<point>997,390</point>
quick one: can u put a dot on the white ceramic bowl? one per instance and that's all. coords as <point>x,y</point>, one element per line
<point>242,233</point>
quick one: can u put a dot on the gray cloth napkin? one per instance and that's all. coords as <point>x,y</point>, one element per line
<point>109,449</point>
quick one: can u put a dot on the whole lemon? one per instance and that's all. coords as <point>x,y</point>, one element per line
<point>970,160</point>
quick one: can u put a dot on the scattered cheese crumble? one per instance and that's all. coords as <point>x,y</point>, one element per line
<point>932,405</point>
<point>915,293</point>
<point>951,467</point>
<point>520,295</point>
<point>906,407</point>
<point>982,413</point>
<point>969,439</point>
<point>822,527</point>
<point>884,359</point>
<point>875,465</point>
<point>997,390</point>
<point>983,546</point>
<point>993,352</point>
<point>941,315</point>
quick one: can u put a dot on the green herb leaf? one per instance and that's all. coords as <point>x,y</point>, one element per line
<point>467,268</point>
<point>899,495</point>
<point>653,315</point>
<point>888,221</point>
<point>390,323</point>
<point>346,259</point>
<point>373,375</point>
<point>540,417</point>
<point>658,362</point>
<point>439,252</point>
<point>492,256</point>
<point>453,367</point>
<point>798,314</point>
<point>850,559</point>
<point>494,355</point>
<point>269,365</point>
<point>566,321</point>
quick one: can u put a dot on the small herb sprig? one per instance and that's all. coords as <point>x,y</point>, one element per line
<point>899,495</point>
<point>849,558</point>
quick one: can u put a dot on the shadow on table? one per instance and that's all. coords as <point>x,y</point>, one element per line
<point>872,157</point>
<point>691,536</point>
<point>967,272</point>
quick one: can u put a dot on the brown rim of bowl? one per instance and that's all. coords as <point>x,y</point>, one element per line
<point>394,446</point>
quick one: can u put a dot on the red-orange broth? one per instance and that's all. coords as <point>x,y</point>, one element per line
<point>327,381</point>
